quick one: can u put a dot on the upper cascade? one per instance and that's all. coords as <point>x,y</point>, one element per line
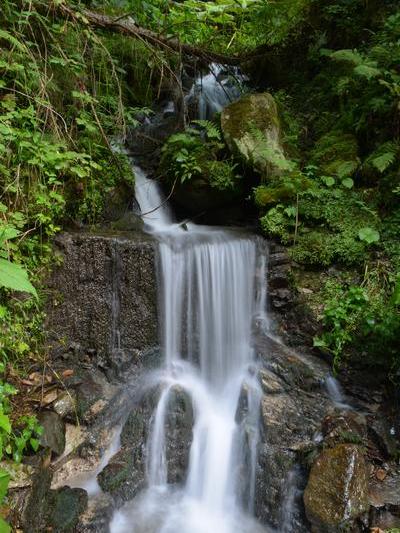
<point>216,89</point>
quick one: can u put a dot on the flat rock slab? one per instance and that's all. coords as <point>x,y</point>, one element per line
<point>103,302</point>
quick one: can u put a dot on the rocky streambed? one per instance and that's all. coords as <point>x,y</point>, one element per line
<point>322,466</point>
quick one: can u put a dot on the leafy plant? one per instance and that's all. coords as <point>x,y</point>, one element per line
<point>369,235</point>
<point>189,155</point>
<point>12,276</point>
<point>340,320</point>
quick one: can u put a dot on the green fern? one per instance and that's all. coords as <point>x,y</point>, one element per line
<point>6,36</point>
<point>367,70</point>
<point>347,56</point>
<point>384,156</point>
<point>213,133</point>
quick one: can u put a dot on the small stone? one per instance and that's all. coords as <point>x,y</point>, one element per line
<point>65,405</point>
<point>53,435</point>
<point>304,290</point>
<point>380,474</point>
<point>50,397</point>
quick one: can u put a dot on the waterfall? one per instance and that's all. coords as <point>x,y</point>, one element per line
<point>215,90</point>
<point>212,295</point>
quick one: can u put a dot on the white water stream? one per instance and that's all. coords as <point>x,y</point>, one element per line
<point>212,293</point>
<point>212,285</point>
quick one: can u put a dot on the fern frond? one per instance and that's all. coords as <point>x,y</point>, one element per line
<point>212,131</point>
<point>348,56</point>
<point>384,156</point>
<point>6,36</point>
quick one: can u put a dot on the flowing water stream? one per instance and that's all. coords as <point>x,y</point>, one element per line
<point>212,295</point>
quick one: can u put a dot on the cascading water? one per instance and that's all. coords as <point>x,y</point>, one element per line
<point>212,294</point>
<point>216,89</point>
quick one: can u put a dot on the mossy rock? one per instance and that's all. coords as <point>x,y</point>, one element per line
<point>69,504</point>
<point>337,489</point>
<point>252,130</point>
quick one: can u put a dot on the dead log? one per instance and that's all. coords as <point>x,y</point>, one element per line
<point>127,27</point>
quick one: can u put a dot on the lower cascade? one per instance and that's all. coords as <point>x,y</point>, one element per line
<point>211,298</point>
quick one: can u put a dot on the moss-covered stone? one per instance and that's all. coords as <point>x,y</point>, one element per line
<point>68,506</point>
<point>337,489</point>
<point>252,129</point>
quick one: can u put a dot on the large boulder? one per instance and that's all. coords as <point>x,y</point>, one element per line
<point>252,130</point>
<point>337,489</point>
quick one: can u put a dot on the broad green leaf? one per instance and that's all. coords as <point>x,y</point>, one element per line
<point>35,444</point>
<point>328,180</point>
<point>4,527</point>
<point>369,235</point>
<point>318,342</point>
<point>4,480</point>
<point>8,232</point>
<point>14,277</point>
<point>348,183</point>
<point>5,423</point>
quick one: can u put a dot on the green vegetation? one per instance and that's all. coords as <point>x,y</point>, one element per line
<point>64,92</point>
<point>67,89</point>
<point>197,152</point>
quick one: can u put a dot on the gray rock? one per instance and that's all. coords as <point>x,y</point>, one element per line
<point>178,434</point>
<point>380,432</point>
<point>53,435</point>
<point>290,417</point>
<point>97,517</point>
<point>344,427</point>
<point>124,476</point>
<point>35,516</point>
<point>104,295</point>
<point>65,405</point>
<point>386,494</point>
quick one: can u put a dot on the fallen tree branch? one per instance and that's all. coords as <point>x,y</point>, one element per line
<point>128,27</point>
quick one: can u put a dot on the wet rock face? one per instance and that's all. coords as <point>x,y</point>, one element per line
<point>125,474</point>
<point>104,304</point>
<point>260,111</point>
<point>52,510</point>
<point>290,416</point>
<point>337,489</point>
<point>178,435</point>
